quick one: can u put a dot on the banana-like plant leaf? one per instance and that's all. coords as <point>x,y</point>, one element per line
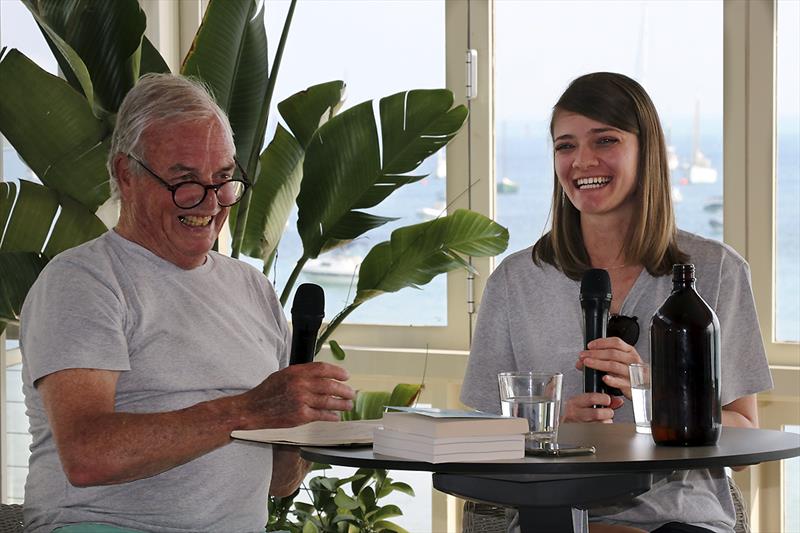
<point>273,195</point>
<point>281,169</point>
<point>369,405</point>
<point>405,394</point>
<point>18,271</point>
<point>107,37</point>
<point>69,62</point>
<point>151,59</point>
<point>305,111</point>
<point>416,254</point>
<point>415,124</point>
<point>28,212</point>
<point>53,130</point>
<point>229,53</point>
<point>343,171</point>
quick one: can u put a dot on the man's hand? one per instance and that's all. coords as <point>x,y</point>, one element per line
<point>99,445</point>
<point>297,395</point>
<point>611,355</point>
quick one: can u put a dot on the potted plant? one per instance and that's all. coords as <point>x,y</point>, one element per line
<point>61,129</point>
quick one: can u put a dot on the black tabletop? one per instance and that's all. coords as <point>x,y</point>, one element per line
<point>619,449</point>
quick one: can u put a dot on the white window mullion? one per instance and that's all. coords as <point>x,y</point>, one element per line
<point>3,473</point>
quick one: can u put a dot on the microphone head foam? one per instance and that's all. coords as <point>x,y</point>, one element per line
<point>596,283</point>
<point>309,300</point>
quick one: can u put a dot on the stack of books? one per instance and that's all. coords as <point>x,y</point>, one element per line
<point>447,436</point>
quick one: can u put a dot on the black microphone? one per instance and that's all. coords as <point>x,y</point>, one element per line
<point>595,302</point>
<point>308,308</point>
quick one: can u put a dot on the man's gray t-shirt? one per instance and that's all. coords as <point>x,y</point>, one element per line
<point>177,337</point>
<point>530,319</point>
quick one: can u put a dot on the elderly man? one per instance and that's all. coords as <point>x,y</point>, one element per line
<point>144,349</point>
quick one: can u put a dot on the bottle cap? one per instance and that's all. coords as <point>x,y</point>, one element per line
<point>683,273</point>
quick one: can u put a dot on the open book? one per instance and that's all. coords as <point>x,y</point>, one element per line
<point>319,433</point>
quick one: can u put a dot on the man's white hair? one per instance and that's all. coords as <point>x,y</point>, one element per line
<point>159,98</point>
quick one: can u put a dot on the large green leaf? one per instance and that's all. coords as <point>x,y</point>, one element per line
<point>53,129</point>
<point>151,59</point>
<point>31,209</point>
<point>18,271</point>
<point>107,37</point>
<point>305,111</point>
<point>69,62</point>
<point>229,53</point>
<point>343,171</point>
<point>415,124</point>
<point>34,218</point>
<point>416,254</point>
<point>369,405</point>
<point>273,195</point>
<point>404,394</point>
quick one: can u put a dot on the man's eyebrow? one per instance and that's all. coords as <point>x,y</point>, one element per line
<point>180,167</point>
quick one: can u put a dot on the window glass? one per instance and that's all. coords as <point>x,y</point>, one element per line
<point>17,30</point>
<point>541,46</point>
<point>401,48</point>
<point>791,489</point>
<point>787,194</point>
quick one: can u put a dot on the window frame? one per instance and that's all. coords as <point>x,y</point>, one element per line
<point>749,136</point>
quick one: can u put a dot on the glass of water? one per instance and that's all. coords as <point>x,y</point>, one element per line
<point>535,396</point>
<point>641,396</point>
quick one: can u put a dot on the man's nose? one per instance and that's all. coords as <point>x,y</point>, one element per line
<point>210,201</point>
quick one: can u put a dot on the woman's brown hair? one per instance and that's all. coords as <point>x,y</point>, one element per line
<point>621,102</point>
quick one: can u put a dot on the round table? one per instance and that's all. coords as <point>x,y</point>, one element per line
<point>545,489</point>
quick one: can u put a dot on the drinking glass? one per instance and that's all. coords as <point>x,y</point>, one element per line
<point>535,396</point>
<point>641,395</point>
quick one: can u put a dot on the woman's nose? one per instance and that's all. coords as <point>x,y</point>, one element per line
<point>584,159</point>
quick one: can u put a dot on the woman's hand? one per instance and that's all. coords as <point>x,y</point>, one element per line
<point>580,408</point>
<point>611,355</point>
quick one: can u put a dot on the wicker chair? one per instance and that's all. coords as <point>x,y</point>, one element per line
<point>10,518</point>
<point>485,518</point>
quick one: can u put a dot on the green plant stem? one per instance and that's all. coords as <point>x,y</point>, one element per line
<point>338,319</point>
<point>287,289</point>
<point>241,222</point>
<point>252,163</point>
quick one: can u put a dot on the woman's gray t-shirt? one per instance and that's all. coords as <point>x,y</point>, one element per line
<point>530,319</point>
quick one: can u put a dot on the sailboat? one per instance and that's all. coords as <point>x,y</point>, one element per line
<point>700,170</point>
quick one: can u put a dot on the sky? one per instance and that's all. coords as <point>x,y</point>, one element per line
<point>673,47</point>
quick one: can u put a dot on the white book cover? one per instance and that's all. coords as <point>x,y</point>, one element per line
<point>450,457</point>
<point>389,439</point>
<point>454,425</point>
<point>319,433</point>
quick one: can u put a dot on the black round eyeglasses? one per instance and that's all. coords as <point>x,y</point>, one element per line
<point>189,194</point>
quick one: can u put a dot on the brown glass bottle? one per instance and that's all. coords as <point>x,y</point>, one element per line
<point>684,356</point>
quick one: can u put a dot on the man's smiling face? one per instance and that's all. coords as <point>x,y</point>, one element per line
<point>195,150</point>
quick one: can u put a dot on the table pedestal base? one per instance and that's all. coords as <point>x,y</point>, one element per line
<point>544,502</point>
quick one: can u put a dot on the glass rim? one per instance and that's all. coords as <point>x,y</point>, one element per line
<point>639,365</point>
<point>528,373</point>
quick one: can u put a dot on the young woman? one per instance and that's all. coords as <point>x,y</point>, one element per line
<point>612,209</point>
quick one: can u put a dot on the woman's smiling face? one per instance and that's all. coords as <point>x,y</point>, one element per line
<point>596,163</point>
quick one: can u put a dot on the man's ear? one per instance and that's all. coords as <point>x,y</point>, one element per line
<point>122,170</point>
